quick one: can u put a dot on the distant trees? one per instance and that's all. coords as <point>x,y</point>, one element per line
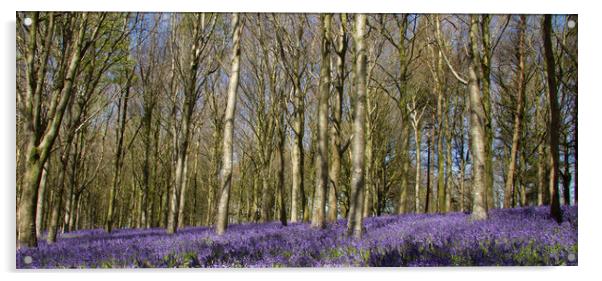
<point>134,119</point>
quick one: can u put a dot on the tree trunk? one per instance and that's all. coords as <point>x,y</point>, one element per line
<point>226,172</point>
<point>486,101</point>
<point>354,225</point>
<point>518,115</point>
<point>318,217</point>
<point>448,165</point>
<point>182,202</point>
<point>477,131</point>
<point>405,167</point>
<point>429,142</point>
<point>337,153</point>
<point>40,207</point>
<point>417,138</point>
<point>440,126</point>
<point>281,190</point>
<point>369,159</point>
<point>54,218</point>
<point>554,125</point>
<point>298,158</point>
<point>266,206</point>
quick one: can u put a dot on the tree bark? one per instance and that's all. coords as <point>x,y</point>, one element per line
<point>298,158</point>
<point>429,142</point>
<point>417,140</point>
<point>354,224</point>
<point>40,207</point>
<point>337,153</point>
<point>318,217</point>
<point>281,190</point>
<point>182,201</point>
<point>477,130</point>
<point>554,125</point>
<point>486,101</point>
<point>226,172</point>
<point>405,167</point>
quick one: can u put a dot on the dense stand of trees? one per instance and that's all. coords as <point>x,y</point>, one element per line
<point>174,120</point>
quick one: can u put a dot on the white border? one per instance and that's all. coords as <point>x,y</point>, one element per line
<point>312,6</point>
<point>589,106</point>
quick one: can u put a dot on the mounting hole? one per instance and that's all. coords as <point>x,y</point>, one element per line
<point>27,260</point>
<point>571,24</point>
<point>27,21</point>
<point>572,257</point>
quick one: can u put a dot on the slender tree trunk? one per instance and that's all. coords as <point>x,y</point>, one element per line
<point>266,206</point>
<point>214,176</point>
<point>118,162</point>
<point>477,131</point>
<point>427,201</point>
<point>54,218</point>
<point>554,125</point>
<point>58,201</point>
<point>462,173</point>
<point>486,101</point>
<point>417,138</point>
<point>518,115</point>
<point>448,165</point>
<point>337,153</point>
<point>298,159</point>
<point>369,158</point>
<point>541,174</point>
<point>226,172</point>
<point>441,125</point>
<point>182,202</point>
<point>566,175</point>
<point>74,205</point>
<point>405,167</point>
<point>354,225</point>
<point>318,217</point>
<point>40,207</point>
<point>281,190</point>
<point>146,166</point>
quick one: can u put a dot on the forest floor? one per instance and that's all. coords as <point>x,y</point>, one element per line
<point>520,236</point>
